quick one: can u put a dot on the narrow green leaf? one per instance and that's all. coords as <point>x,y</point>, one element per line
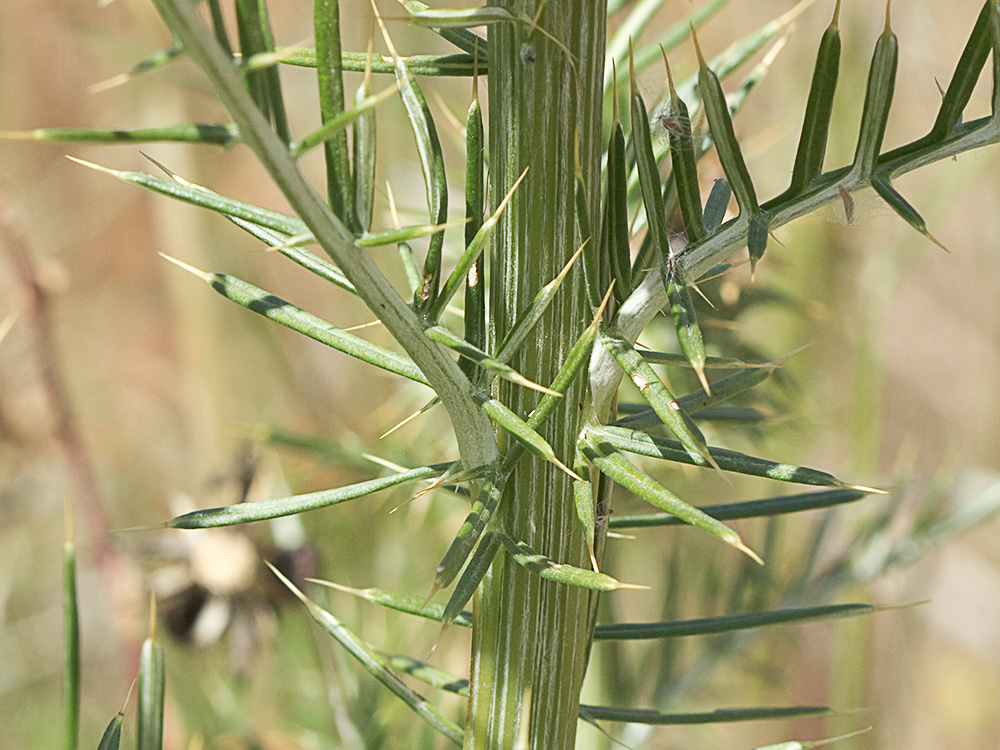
<point>152,689</point>
<point>361,114</point>
<point>308,260</point>
<point>112,737</point>
<point>471,577</point>
<point>366,657</point>
<point>719,716</point>
<point>563,573</point>
<point>658,397</point>
<point>410,267</point>
<point>475,207</point>
<point>685,323</point>
<point>276,309</point>
<point>615,466</point>
<point>427,674</point>
<point>901,206</point>
<point>473,251</point>
<point>649,175</point>
<point>730,154</point>
<point>71,640</point>
<point>527,319</point>
<point>329,74</point>
<point>521,431</point>
<point>629,631</point>
<point>456,343</point>
<point>819,110</point>
<point>155,61</point>
<point>219,135</point>
<point>113,734</point>
<point>461,19</point>
<point>769,507</point>
<point>254,28</point>
<point>363,142</point>
<point>404,234</point>
<point>717,203</point>
<point>711,363</point>
<point>432,166</point>
<point>740,463</point>
<point>219,26</point>
<point>696,401</point>
<point>586,510</point>
<point>878,99</point>
<point>677,121</point>
<point>261,510</point>
<point>615,258</point>
<point>464,39</point>
<point>462,65</point>
<point>406,603</point>
<point>201,196</point>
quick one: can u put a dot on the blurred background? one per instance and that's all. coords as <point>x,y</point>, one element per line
<point>134,392</point>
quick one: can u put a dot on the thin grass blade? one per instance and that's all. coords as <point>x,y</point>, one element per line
<point>475,208</point>
<point>363,142</point>
<point>459,65</point>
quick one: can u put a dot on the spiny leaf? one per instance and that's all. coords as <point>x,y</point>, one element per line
<point>878,99</point>
<point>201,196</point>
<point>563,573</point>
<point>819,109</point>
<point>366,657</point>
<point>152,688</point>
<point>220,135</point>
<point>456,343</point>
<point>769,507</point>
<point>719,716</point>
<point>728,623</point>
<point>658,397</point>
<point>656,447</point>
<point>418,65</point>
<point>71,639</point>
<point>332,133</point>
<point>260,510</point>
<point>901,206</point>
<point>406,603</point>
<point>432,166</point>
<point>615,466</point>
<point>464,39</point>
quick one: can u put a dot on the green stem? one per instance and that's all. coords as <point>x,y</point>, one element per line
<point>530,636</point>
<point>472,428</point>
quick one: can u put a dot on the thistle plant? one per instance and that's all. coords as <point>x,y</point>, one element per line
<point>573,241</point>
